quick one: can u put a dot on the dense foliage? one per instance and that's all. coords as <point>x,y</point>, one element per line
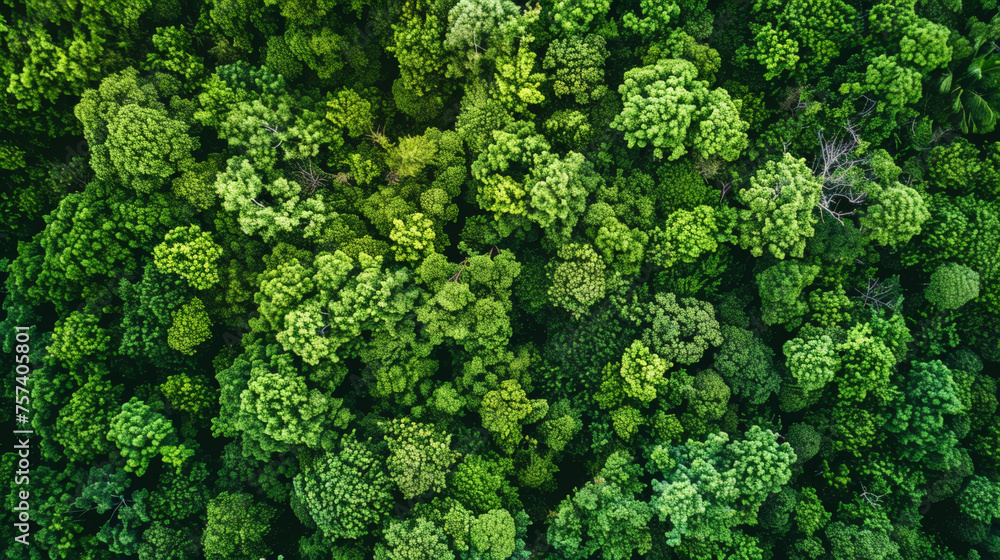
<point>491,280</point>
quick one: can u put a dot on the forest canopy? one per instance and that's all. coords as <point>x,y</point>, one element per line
<point>501,280</point>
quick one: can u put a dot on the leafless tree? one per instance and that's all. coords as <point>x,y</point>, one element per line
<point>310,177</point>
<point>725,188</point>
<point>839,168</point>
<point>835,154</point>
<point>878,295</point>
<point>873,499</point>
<point>870,105</point>
<point>793,100</point>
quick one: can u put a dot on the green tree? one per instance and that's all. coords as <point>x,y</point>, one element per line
<point>492,534</point>
<point>161,542</point>
<point>686,235</point>
<point>681,330</point>
<point>473,27</point>
<point>236,526</point>
<point>780,287</point>
<point>505,410</point>
<point>622,248</point>
<point>190,327</point>
<point>268,208</point>
<point>419,47</point>
<point>577,280</point>
<point>84,422</point>
<point>191,395</point>
<point>573,19</point>
<point>175,53</point>
<point>347,109</point>
<point>898,215</point>
<point>803,36</point>
<point>278,409</point>
<point>579,67</point>
<point>667,107</point>
<point>867,365</point>
<point>980,499</point>
<point>140,433</point>
<point>558,189</point>
<point>105,489</point>
<point>657,18</point>
<point>952,286</point>
<point>747,365</point>
<point>603,519</point>
<point>147,147</point>
<point>924,435</point>
<point>708,487</point>
<point>419,457</point>
<point>191,254</point>
<point>813,362</point>
<point>640,376</point>
<point>345,492</point>
<point>415,539</point>
<point>779,214</point>
<point>78,338</point>
<point>413,238</point>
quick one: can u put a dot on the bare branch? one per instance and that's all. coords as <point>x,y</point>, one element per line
<point>872,498</point>
<point>274,131</point>
<point>725,188</point>
<point>311,177</point>
<point>838,169</point>
<point>877,295</point>
<point>870,105</point>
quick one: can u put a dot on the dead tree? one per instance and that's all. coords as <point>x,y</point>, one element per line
<point>840,169</point>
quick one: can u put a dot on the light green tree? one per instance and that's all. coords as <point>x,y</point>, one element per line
<point>779,214</point>
<point>347,109</point>
<point>897,216</point>
<point>492,534</point>
<point>190,327</point>
<point>572,19</point>
<point>78,338</point>
<point>505,410</point>
<point>577,280</point>
<point>867,365</point>
<point>141,433</point>
<point>686,235</point>
<point>414,539</point>
<point>236,526</point>
<point>268,208</point>
<point>413,237</point>
<point>667,107</point>
<point>345,492</point>
<point>622,248</point>
<point>146,146</point>
<point>419,457</point>
<point>84,422</point>
<point>191,254</point>
<point>813,362</point>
